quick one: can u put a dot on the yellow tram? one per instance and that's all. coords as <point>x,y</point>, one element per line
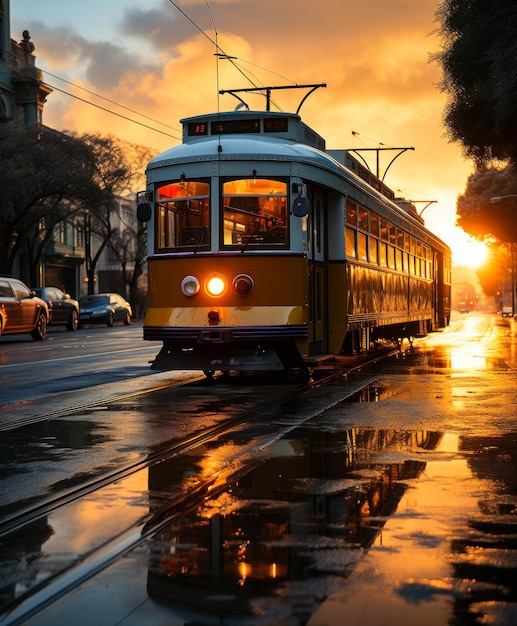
<point>266,250</point>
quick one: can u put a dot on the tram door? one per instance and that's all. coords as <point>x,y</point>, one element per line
<point>317,257</point>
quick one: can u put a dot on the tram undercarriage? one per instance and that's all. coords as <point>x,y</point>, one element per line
<point>359,340</point>
<point>272,356</point>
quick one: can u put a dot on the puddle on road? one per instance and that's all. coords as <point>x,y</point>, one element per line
<point>383,526</point>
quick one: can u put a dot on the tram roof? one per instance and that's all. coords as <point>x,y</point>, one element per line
<point>238,147</point>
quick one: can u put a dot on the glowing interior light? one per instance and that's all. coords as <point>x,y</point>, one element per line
<point>216,286</point>
<point>190,285</point>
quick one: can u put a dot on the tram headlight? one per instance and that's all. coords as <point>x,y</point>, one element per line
<point>215,285</point>
<point>243,284</point>
<point>190,285</point>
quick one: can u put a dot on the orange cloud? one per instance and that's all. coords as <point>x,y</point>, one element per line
<point>374,57</point>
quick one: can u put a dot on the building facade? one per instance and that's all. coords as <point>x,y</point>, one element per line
<point>63,264</point>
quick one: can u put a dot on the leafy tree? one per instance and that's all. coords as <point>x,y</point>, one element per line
<point>111,175</point>
<point>480,217</point>
<point>42,175</point>
<point>495,273</point>
<point>480,76</point>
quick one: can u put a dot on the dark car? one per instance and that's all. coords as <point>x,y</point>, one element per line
<point>104,308</point>
<point>62,308</point>
<point>21,311</point>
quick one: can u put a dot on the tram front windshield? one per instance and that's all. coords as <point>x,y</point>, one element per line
<point>254,213</point>
<point>183,216</point>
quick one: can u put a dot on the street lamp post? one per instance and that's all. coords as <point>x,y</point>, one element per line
<point>493,200</point>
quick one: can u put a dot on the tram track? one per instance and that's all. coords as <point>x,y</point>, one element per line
<point>64,411</point>
<point>108,548</point>
<point>25,516</point>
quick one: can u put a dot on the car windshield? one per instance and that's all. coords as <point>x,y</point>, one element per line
<point>88,300</point>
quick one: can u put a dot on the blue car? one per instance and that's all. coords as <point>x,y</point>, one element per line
<point>104,308</point>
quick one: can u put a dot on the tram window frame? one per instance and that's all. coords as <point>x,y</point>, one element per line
<point>183,215</point>
<point>244,223</point>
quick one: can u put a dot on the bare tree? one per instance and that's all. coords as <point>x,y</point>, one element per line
<point>129,243</point>
<point>113,178</point>
<point>44,175</point>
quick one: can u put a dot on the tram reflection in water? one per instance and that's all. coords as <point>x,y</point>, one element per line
<point>302,515</point>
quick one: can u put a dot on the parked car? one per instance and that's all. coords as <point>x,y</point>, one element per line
<point>61,307</point>
<point>104,308</point>
<point>21,311</point>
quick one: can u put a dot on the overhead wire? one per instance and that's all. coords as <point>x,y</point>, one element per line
<point>105,109</point>
<point>124,117</point>
<point>122,106</point>
<point>220,52</point>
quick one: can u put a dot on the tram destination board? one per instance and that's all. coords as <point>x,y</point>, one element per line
<point>229,127</point>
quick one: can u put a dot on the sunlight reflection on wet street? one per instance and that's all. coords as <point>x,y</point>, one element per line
<point>396,507</point>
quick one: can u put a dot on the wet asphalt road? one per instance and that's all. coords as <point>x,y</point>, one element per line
<point>396,507</point>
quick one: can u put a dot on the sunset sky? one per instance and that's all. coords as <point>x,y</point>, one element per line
<point>159,60</point>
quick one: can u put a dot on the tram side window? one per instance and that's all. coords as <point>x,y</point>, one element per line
<point>363,219</point>
<point>383,254</point>
<point>351,213</point>
<point>183,216</point>
<point>373,250</point>
<point>254,213</point>
<point>374,225</point>
<point>384,229</point>
<point>362,250</point>
<point>350,245</point>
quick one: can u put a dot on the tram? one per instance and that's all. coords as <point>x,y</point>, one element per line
<point>266,251</point>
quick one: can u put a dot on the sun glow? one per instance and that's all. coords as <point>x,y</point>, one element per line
<point>467,251</point>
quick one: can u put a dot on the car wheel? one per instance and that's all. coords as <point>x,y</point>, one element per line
<point>73,322</point>
<point>40,332</point>
<point>127,320</point>
<point>110,321</point>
